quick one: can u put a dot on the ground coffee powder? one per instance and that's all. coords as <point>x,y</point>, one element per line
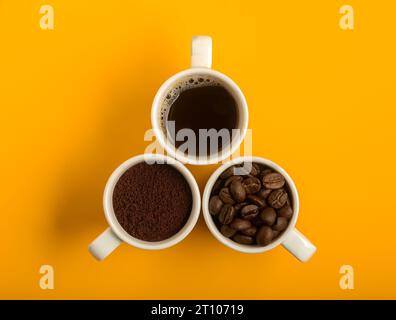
<point>152,202</point>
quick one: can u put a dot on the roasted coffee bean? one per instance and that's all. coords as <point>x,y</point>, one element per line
<point>237,191</point>
<point>277,198</point>
<point>217,187</point>
<point>251,169</point>
<point>257,221</point>
<point>250,211</point>
<point>286,211</point>
<point>239,206</point>
<point>227,214</point>
<point>256,200</point>
<point>227,231</point>
<point>225,196</point>
<point>275,233</point>
<point>268,215</point>
<point>281,224</point>
<point>255,169</point>
<point>264,236</point>
<point>227,173</point>
<point>215,205</point>
<point>273,180</point>
<point>252,185</point>
<point>243,239</point>
<point>232,179</point>
<point>264,172</point>
<point>263,193</point>
<point>250,231</point>
<point>240,224</point>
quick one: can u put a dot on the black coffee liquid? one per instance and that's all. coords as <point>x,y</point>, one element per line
<point>205,107</point>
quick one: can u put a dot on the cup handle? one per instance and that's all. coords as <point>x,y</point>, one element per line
<point>201,52</point>
<point>104,244</point>
<point>299,246</point>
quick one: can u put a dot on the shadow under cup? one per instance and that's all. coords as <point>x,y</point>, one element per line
<point>200,116</point>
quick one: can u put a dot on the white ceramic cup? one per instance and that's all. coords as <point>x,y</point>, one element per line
<point>294,241</point>
<point>201,62</point>
<point>113,236</point>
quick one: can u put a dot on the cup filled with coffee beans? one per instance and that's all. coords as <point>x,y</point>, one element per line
<point>150,201</point>
<point>251,204</point>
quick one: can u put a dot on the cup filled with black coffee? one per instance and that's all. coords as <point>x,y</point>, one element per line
<point>251,204</point>
<point>150,201</point>
<point>200,115</point>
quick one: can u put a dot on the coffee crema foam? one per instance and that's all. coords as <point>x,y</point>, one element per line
<point>181,86</point>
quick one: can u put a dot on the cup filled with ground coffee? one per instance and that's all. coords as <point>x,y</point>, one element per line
<point>150,201</point>
<point>199,115</point>
<point>251,204</point>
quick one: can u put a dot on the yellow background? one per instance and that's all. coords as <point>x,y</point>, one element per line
<point>75,103</point>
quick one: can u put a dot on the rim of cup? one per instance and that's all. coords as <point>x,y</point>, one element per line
<point>116,226</point>
<point>233,89</point>
<point>227,241</point>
